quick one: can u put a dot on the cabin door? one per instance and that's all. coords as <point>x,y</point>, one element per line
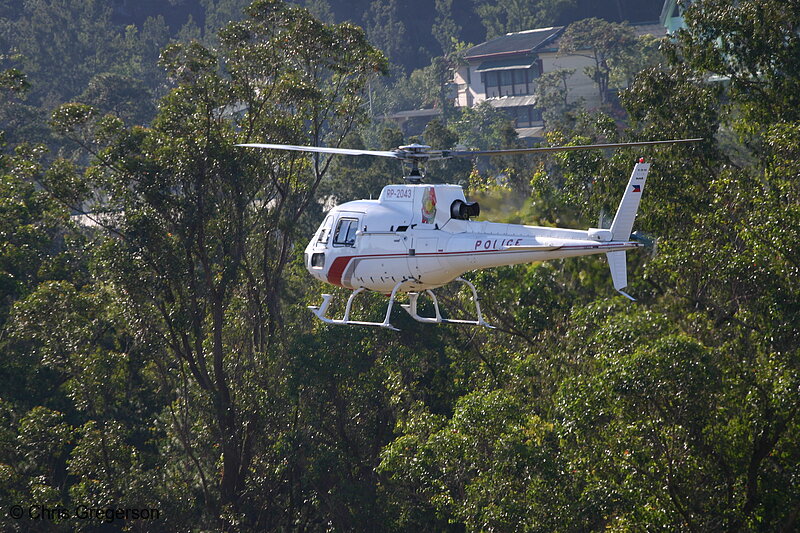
<point>423,257</point>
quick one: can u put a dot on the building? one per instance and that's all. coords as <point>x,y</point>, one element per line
<point>672,15</point>
<point>413,121</point>
<point>504,70</point>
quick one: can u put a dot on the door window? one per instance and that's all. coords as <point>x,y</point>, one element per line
<point>345,234</point>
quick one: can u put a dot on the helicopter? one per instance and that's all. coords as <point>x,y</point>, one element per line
<point>417,237</point>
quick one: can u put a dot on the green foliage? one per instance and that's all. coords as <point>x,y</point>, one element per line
<point>445,29</point>
<point>13,81</point>
<point>203,228</point>
<point>385,29</point>
<point>120,96</point>
<point>356,177</point>
<point>680,413</point>
<point>608,44</point>
<point>552,95</point>
<point>29,226</point>
<point>163,356</point>
<point>63,42</point>
<point>752,44</point>
<point>218,13</point>
<point>483,127</point>
<point>439,136</point>
<point>507,16</point>
<point>17,118</point>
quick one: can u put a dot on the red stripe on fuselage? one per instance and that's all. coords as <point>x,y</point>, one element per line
<point>337,269</point>
<point>340,263</point>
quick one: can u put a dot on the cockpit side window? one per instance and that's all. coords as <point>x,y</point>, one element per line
<point>325,230</point>
<point>345,234</point>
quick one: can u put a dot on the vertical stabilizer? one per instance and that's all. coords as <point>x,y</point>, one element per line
<point>626,213</point>
<point>619,271</point>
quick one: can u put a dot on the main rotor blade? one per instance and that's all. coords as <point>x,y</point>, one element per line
<point>474,153</point>
<point>322,149</point>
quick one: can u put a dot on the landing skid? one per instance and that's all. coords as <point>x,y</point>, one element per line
<point>326,301</point>
<point>411,307</point>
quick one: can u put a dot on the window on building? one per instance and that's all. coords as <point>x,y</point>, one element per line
<point>525,116</point>
<point>511,82</point>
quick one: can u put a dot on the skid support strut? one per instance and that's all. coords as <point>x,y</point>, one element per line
<point>322,309</point>
<point>411,308</point>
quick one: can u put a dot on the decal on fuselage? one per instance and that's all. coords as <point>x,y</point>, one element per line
<point>492,244</point>
<point>429,206</point>
<point>398,193</point>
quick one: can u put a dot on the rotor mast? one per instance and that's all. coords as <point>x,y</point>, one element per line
<point>414,154</point>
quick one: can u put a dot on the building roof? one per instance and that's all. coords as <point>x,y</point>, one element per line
<point>514,43</point>
<point>531,133</point>
<point>656,30</point>
<point>512,101</point>
<point>506,64</point>
<point>413,113</point>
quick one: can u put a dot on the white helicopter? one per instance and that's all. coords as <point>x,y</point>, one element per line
<point>418,237</point>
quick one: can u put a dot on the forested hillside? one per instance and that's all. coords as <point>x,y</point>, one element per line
<point>159,370</point>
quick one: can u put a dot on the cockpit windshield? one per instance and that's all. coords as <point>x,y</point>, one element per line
<point>325,230</point>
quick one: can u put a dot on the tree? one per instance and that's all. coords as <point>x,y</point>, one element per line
<point>445,28</point>
<point>64,43</point>
<point>489,467</point>
<point>124,97</point>
<point>606,43</point>
<point>438,136</point>
<point>386,31</point>
<point>65,358</point>
<point>155,360</point>
<point>219,13</point>
<point>202,230</point>
<point>736,272</point>
<point>13,86</point>
<point>552,96</point>
<point>356,178</point>
<point>484,127</point>
<point>141,49</point>
<point>507,16</point>
<point>755,46</point>
<point>30,222</point>
<point>681,412</point>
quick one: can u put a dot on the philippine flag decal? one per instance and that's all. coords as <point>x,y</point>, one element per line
<point>637,188</point>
